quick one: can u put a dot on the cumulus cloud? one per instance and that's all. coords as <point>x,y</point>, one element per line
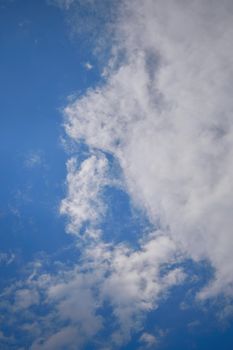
<point>165,112</point>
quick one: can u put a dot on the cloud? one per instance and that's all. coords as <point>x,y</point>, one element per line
<point>33,159</point>
<point>165,114</point>
<point>88,66</point>
<point>83,203</point>
<point>135,284</point>
<point>6,258</point>
<point>148,340</point>
<point>127,280</point>
<point>72,300</point>
<point>62,4</point>
<point>92,23</point>
<point>24,298</point>
<point>66,337</point>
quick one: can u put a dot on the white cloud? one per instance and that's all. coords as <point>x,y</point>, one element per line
<point>83,203</point>
<point>128,280</point>
<point>148,340</point>
<point>88,66</point>
<point>135,284</point>
<point>66,337</point>
<point>166,115</point>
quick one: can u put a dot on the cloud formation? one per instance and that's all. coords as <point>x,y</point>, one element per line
<point>83,204</point>
<point>73,299</point>
<point>165,112</point>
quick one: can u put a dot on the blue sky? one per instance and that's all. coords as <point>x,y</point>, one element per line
<point>116,194</point>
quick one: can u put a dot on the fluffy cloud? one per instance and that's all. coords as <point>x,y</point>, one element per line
<point>128,280</point>
<point>135,284</point>
<point>72,300</point>
<point>148,340</point>
<point>83,203</point>
<point>165,112</point>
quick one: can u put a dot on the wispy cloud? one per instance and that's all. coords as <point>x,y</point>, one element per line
<point>63,4</point>
<point>33,159</point>
<point>6,258</point>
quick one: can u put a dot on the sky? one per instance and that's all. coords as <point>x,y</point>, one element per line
<point>116,192</point>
